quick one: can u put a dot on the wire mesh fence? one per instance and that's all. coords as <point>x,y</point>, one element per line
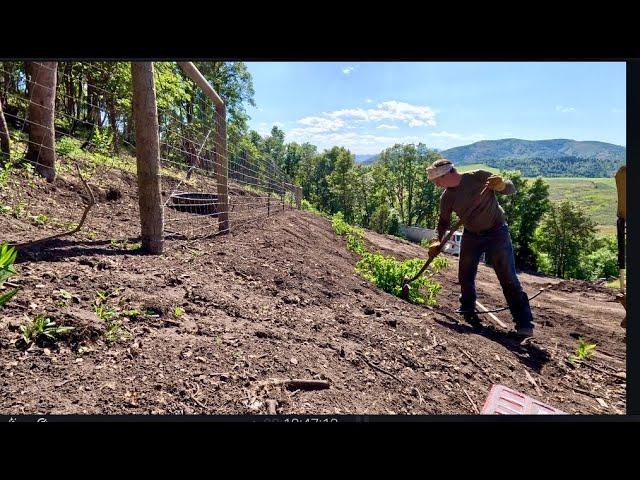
<point>94,150</point>
<point>91,155</point>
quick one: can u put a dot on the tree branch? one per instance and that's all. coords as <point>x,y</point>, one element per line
<point>82,220</point>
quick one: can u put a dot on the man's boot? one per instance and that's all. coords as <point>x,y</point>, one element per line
<point>473,320</point>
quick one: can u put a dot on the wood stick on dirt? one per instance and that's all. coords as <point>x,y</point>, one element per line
<point>420,399</point>
<point>494,318</point>
<point>194,395</point>
<point>305,384</point>
<point>475,408</point>
<point>71,232</point>
<point>533,382</point>
<point>375,367</point>
<point>597,369</point>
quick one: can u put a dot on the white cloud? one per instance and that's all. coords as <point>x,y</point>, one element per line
<point>314,125</point>
<point>355,113</point>
<point>368,100</point>
<point>562,109</point>
<point>348,70</point>
<point>413,115</point>
<point>336,127</point>
<point>355,142</point>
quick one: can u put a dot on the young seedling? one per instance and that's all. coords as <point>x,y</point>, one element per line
<point>132,314</point>
<point>7,257</point>
<point>115,332</point>
<point>41,326</point>
<point>104,313</point>
<point>177,311</point>
<point>583,351</point>
<point>63,298</point>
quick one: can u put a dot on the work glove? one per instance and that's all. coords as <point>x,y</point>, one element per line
<point>434,248</point>
<point>495,182</point>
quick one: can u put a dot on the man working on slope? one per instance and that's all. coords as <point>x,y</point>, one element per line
<point>484,232</point>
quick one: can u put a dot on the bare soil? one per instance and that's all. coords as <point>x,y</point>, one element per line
<point>275,300</point>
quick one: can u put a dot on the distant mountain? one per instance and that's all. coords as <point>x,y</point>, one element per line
<point>514,149</point>
<point>366,159</point>
<point>547,158</point>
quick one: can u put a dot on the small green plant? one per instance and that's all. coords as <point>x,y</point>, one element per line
<point>583,351</point>
<point>19,210</point>
<point>5,172</point>
<point>102,140</point>
<point>63,298</point>
<point>132,314</point>
<point>104,313</point>
<point>38,220</point>
<point>67,146</point>
<point>125,244</point>
<point>29,168</point>
<point>339,225</point>
<point>7,257</point>
<point>115,332</point>
<point>64,294</point>
<point>388,273</point>
<point>355,244</point>
<point>41,326</point>
<point>178,311</point>
<point>103,295</point>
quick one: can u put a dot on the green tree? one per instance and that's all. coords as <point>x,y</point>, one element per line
<point>341,183</point>
<point>600,262</point>
<point>404,172</point>
<point>523,212</point>
<point>565,234</point>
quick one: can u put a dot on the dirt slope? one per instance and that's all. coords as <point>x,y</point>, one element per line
<point>277,299</point>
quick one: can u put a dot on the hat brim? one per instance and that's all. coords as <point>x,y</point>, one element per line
<point>438,172</point>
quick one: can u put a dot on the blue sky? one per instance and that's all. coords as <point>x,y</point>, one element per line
<point>368,106</point>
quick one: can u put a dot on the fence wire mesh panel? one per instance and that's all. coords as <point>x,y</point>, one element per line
<point>71,135</point>
<point>91,156</point>
<point>197,164</point>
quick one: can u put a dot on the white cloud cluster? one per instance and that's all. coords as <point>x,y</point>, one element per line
<point>356,142</point>
<point>394,111</point>
<point>357,128</point>
<point>413,115</point>
<point>563,109</point>
<point>348,70</point>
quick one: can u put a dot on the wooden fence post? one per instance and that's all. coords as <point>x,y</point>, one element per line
<point>221,158</point>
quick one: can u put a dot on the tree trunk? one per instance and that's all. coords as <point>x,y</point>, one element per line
<point>91,100</point>
<point>4,138</point>
<point>114,125</point>
<point>42,97</point>
<point>28,71</point>
<point>145,113</point>
<point>68,81</point>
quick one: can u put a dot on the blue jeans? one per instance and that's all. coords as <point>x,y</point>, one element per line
<point>498,249</point>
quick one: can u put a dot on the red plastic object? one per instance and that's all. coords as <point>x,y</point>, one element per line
<point>505,401</point>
